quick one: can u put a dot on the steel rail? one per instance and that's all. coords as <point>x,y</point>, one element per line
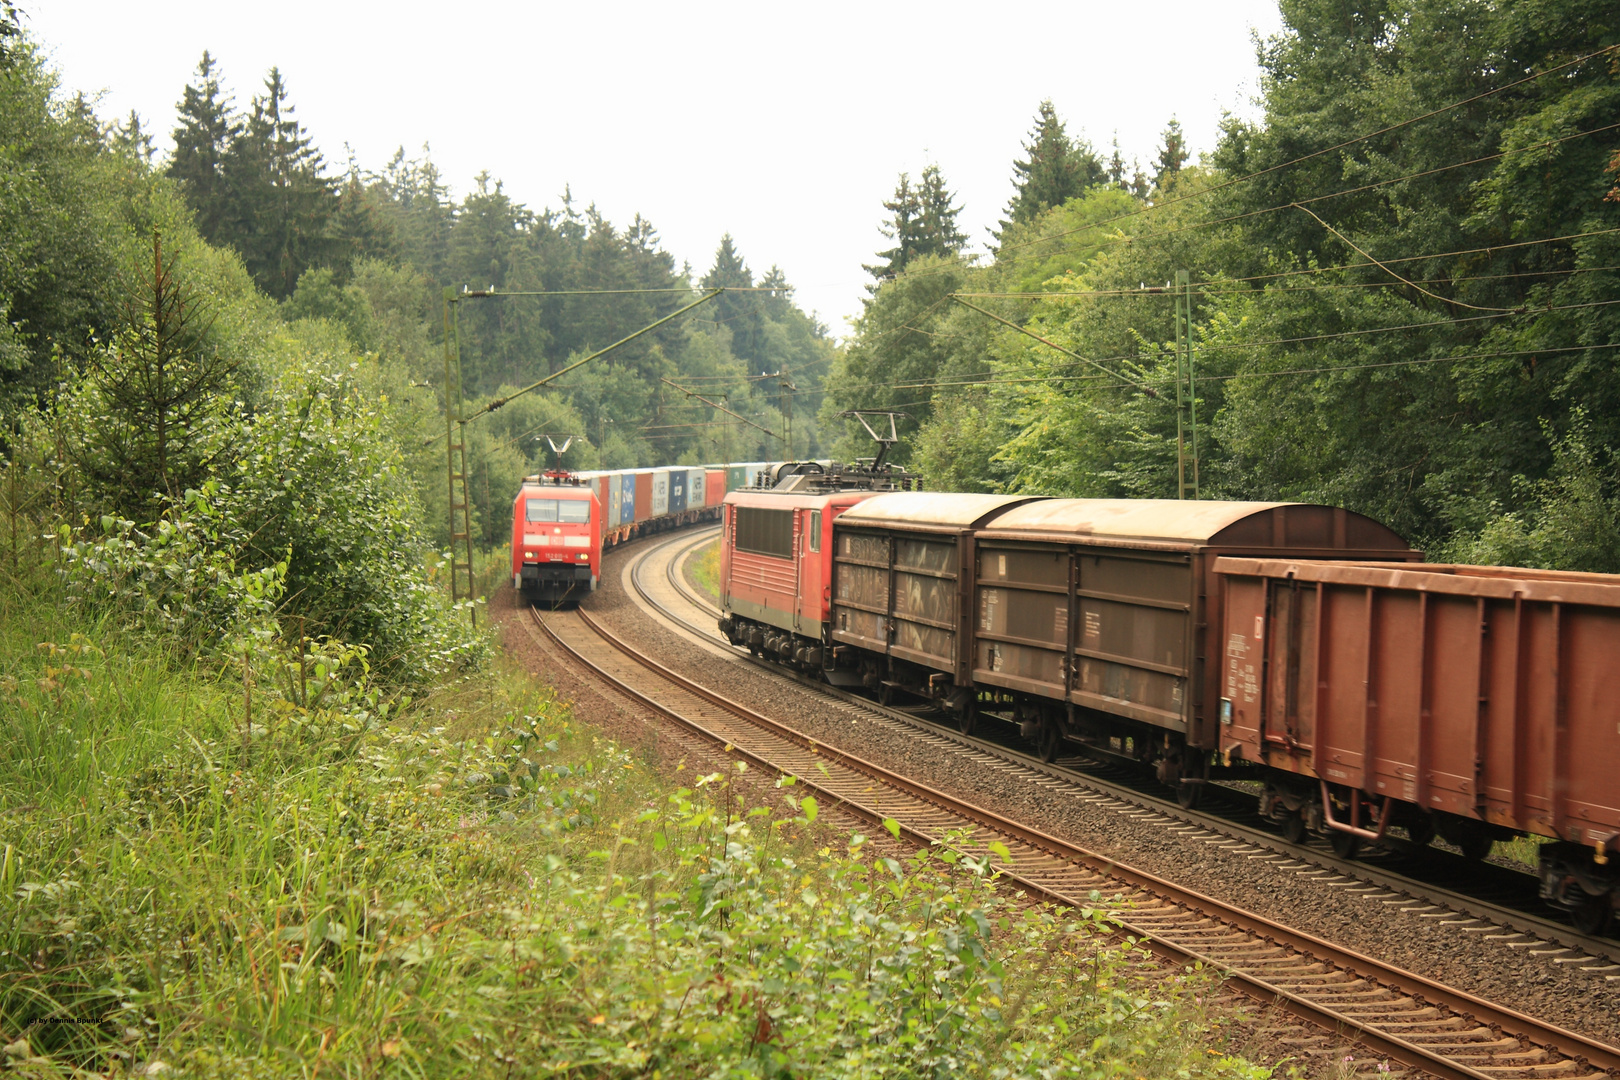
<point>1476,908</point>
<point>1265,959</point>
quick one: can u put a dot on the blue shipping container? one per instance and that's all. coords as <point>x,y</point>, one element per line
<point>679,480</point>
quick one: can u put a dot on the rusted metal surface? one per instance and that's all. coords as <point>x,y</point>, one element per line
<point>1230,524</point>
<point>930,508</point>
<point>898,586</point>
<point>1488,693</point>
<point>1106,604</point>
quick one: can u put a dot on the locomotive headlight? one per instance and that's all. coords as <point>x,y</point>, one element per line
<point>583,555</point>
<point>528,554</point>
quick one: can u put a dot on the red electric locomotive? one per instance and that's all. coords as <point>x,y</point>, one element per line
<point>776,556</point>
<point>556,539</point>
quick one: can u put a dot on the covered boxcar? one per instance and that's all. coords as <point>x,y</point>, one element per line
<point>1476,702</point>
<point>898,596</point>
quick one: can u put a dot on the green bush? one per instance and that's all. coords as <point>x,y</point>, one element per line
<point>470,885</point>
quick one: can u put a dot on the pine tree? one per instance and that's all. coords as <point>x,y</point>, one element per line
<point>1172,155</point>
<point>359,230</point>
<point>1116,165</point>
<point>904,227</point>
<point>129,137</point>
<point>208,126</point>
<point>161,389</point>
<point>939,231</point>
<point>1055,170</point>
<point>740,312</point>
<point>281,205</point>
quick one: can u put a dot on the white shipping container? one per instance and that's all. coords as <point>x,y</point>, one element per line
<point>613,505</point>
<point>694,490</point>
<point>660,493</point>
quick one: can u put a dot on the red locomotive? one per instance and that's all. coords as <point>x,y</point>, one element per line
<point>556,538</point>
<point>1304,647</point>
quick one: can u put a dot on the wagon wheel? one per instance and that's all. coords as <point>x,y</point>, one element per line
<point>1345,845</point>
<point>1420,830</point>
<point>1293,827</point>
<point>1189,795</point>
<point>968,718</point>
<point>1592,915</point>
<point>1475,844</point>
<point>1051,741</point>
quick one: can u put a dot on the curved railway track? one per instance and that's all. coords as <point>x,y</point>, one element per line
<point>1498,905</point>
<point>1390,1012</point>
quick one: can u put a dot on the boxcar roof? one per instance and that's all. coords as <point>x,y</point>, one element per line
<point>927,508</point>
<point>1245,524</point>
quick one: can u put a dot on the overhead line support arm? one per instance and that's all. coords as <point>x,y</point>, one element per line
<point>722,408</point>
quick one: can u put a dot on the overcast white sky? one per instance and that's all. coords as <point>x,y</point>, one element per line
<point>785,125</point>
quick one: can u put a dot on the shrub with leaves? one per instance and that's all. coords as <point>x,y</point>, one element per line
<point>180,577</point>
<point>318,484</point>
<point>354,886</point>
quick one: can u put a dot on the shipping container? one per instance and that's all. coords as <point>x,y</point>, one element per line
<point>660,493</point>
<point>627,498</point>
<point>679,481</point>
<point>714,487</point>
<point>615,498</point>
<point>694,488</point>
<point>644,496</point>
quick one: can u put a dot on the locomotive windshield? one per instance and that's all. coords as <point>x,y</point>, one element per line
<point>565,511</point>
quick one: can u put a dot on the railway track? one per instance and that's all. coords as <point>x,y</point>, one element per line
<point>1493,908</point>
<point>1391,1013</point>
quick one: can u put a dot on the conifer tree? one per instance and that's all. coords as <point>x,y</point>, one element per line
<point>1172,155</point>
<point>740,312</point>
<point>1056,169</point>
<point>207,128</point>
<point>940,236</point>
<point>922,222</point>
<point>161,387</point>
<point>903,226</point>
<point>1116,165</point>
<point>129,137</point>
<point>281,204</point>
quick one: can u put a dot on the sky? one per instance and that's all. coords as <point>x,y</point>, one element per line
<point>784,125</point>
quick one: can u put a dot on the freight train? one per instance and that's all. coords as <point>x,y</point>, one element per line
<point>1306,648</point>
<point>562,521</point>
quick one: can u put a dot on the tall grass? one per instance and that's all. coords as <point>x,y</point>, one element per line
<point>216,863</point>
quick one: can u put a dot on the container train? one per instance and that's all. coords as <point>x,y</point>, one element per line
<point>1306,648</point>
<point>562,521</point>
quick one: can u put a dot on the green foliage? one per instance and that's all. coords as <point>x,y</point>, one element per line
<point>318,485</point>
<point>178,581</point>
<point>1464,392</point>
<point>1056,169</point>
<point>1569,519</point>
<point>158,393</point>
<point>57,259</point>
<point>351,881</point>
<point>922,222</point>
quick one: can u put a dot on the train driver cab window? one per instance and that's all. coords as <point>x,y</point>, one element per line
<point>565,511</point>
<point>815,530</point>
